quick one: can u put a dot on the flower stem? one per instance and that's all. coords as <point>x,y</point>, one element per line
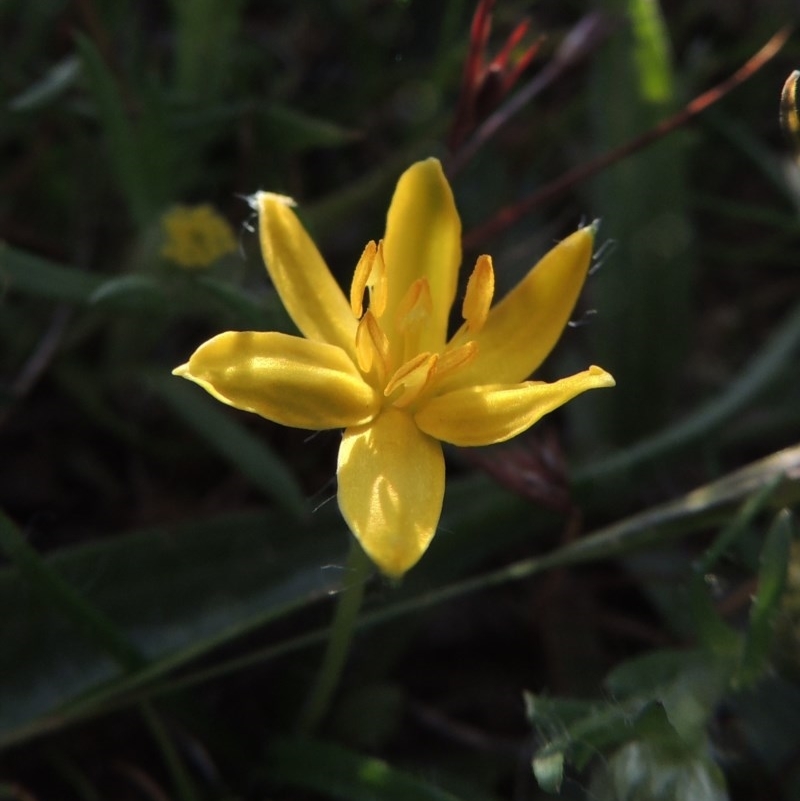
<point>341,633</point>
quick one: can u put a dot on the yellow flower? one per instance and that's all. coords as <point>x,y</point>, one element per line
<point>196,236</point>
<point>387,374</point>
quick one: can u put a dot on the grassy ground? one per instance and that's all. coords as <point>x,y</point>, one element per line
<point>614,595</point>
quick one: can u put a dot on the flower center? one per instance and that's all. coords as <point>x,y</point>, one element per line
<point>405,374</point>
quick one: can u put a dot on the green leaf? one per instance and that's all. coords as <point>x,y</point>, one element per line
<point>770,365</point>
<point>25,272</point>
<point>766,604</point>
<point>48,585</point>
<point>642,201</point>
<point>126,156</point>
<point>338,773</point>
<point>60,77</point>
<point>230,439</point>
<point>576,731</point>
<point>205,34</point>
<point>290,130</point>
<point>173,593</point>
<point>709,504</point>
<point>130,292</point>
<point>711,630</point>
<point>688,684</point>
<point>738,525</point>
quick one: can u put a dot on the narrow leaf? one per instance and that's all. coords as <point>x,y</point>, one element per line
<point>130,291</point>
<point>291,130</point>
<point>64,598</point>
<point>154,584</point>
<point>771,583</point>
<point>123,146</point>
<point>33,275</point>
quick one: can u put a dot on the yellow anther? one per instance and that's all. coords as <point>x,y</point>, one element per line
<point>411,379</point>
<point>448,363</point>
<point>372,346</point>
<point>378,285</point>
<point>452,360</point>
<point>361,278</point>
<point>478,297</point>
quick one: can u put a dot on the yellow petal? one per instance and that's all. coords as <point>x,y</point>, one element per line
<point>293,381</point>
<point>309,292</point>
<point>423,240</point>
<point>526,324</point>
<point>391,486</point>
<point>483,415</point>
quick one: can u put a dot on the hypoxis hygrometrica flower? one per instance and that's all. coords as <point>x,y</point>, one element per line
<point>380,365</point>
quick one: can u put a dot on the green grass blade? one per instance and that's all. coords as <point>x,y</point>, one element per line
<point>33,275</point>
<point>205,34</point>
<point>769,365</point>
<point>64,598</point>
<point>174,592</point>
<point>766,605</point>
<point>123,146</point>
<point>643,293</point>
<point>693,512</point>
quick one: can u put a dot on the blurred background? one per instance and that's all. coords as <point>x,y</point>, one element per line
<point>167,564</point>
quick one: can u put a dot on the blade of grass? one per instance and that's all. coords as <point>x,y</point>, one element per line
<point>181,779</point>
<point>654,527</point>
<point>63,597</point>
<point>33,275</point>
<point>123,146</point>
<point>205,31</point>
<point>766,605</point>
<point>770,364</point>
<point>705,506</point>
<point>644,293</point>
<point>155,585</point>
<point>101,630</point>
<point>737,526</point>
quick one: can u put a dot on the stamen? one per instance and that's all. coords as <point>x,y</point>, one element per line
<point>478,297</point>
<point>378,285</point>
<point>372,346</point>
<point>361,279</point>
<point>411,379</point>
<point>452,360</point>
<point>448,363</point>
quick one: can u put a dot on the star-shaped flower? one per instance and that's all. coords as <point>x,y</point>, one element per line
<point>386,372</point>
